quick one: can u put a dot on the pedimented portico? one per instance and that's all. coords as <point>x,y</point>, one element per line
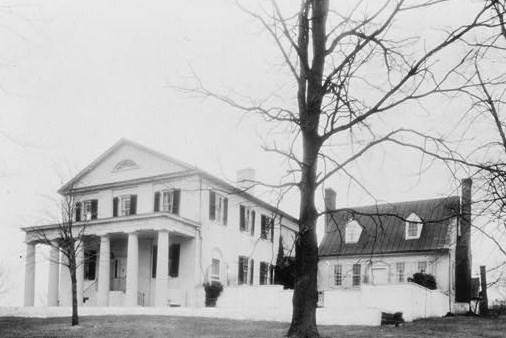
<point>156,229</point>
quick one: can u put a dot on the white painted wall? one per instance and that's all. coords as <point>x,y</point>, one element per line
<point>411,299</point>
<point>437,265</point>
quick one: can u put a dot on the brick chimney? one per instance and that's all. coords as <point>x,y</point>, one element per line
<point>330,205</point>
<point>463,259</point>
<point>245,179</point>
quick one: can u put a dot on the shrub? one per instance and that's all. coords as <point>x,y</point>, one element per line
<point>213,291</point>
<point>424,279</point>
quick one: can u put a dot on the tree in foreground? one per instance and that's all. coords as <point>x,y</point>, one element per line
<point>358,74</point>
<point>67,236</point>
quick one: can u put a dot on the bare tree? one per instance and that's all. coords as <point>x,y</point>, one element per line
<point>330,55</point>
<point>67,237</point>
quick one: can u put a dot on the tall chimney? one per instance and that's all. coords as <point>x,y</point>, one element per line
<point>463,259</point>
<point>246,179</point>
<point>330,205</point>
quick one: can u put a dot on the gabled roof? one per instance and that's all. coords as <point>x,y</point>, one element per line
<point>121,142</point>
<point>189,170</point>
<point>384,227</point>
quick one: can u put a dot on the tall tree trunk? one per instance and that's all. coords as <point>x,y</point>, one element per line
<point>305,294</point>
<point>73,279</point>
<point>312,30</point>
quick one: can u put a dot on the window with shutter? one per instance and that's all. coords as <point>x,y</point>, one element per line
<point>133,204</point>
<point>253,214</point>
<point>94,209</point>
<point>115,202</point>
<point>267,228</point>
<point>252,272</point>
<point>264,273</point>
<point>78,211</point>
<point>156,206</point>
<point>356,274</point>
<point>218,208</point>
<point>212,205</point>
<point>243,270</point>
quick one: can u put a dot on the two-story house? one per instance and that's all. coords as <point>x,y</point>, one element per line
<point>387,244</point>
<point>156,229</point>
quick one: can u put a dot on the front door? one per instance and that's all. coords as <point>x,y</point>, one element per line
<point>118,274</point>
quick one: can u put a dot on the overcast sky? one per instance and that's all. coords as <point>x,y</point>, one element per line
<point>76,76</point>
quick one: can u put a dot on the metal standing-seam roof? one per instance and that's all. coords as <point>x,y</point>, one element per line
<point>384,226</point>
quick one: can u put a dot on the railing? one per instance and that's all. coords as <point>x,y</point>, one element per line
<point>140,298</point>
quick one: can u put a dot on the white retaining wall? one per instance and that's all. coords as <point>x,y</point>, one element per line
<point>413,300</point>
<point>358,306</point>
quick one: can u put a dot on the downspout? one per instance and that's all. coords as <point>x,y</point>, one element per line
<point>199,229</point>
<point>449,281</point>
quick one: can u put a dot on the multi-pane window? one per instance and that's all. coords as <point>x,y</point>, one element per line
<point>400,268</point>
<point>356,274</point>
<point>124,205</point>
<point>422,266</point>
<point>338,275</point>
<point>168,201</point>
<point>243,270</point>
<point>412,229</point>
<point>215,270</point>
<point>264,273</point>
<point>218,207</point>
<point>86,210</point>
<point>352,232</point>
<point>246,219</point>
<point>267,228</point>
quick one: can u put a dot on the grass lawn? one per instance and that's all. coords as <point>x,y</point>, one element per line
<point>181,327</point>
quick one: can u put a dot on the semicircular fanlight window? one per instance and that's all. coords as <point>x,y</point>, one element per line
<point>125,164</point>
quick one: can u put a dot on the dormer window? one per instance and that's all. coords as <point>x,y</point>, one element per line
<point>125,165</point>
<point>413,227</point>
<point>353,231</point>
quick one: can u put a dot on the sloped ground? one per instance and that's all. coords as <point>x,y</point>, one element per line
<point>170,326</point>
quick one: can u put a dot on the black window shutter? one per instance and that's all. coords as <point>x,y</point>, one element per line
<point>133,204</point>
<point>78,211</point>
<point>271,224</point>
<point>225,210</point>
<point>115,202</point>
<point>253,223</point>
<point>242,220</point>
<point>175,201</point>
<point>271,273</point>
<point>262,227</point>
<point>212,205</point>
<point>155,255</point>
<point>174,251</point>
<point>94,209</point>
<point>157,201</point>
<point>252,272</point>
<point>239,274</point>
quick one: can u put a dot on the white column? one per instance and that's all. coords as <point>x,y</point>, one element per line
<point>54,277</point>
<point>104,273</point>
<point>80,271</point>
<point>30,275</point>
<point>162,268</point>
<point>132,270</point>
<point>65,293</point>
